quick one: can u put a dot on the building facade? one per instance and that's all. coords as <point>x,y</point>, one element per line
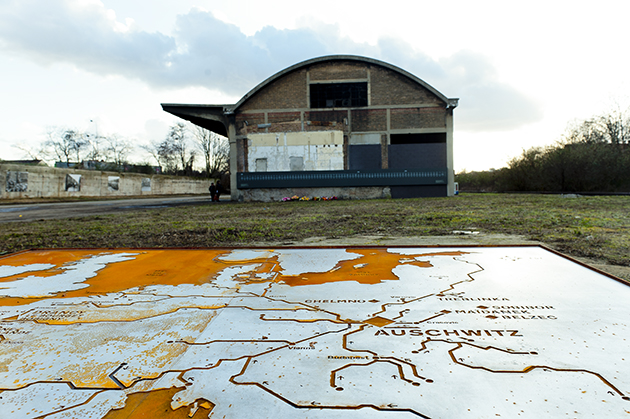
<point>347,126</point>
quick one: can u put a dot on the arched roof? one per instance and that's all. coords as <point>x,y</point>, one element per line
<point>450,103</point>
<point>215,117</point>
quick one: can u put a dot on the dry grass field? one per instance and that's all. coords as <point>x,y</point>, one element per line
<point>594,228</point>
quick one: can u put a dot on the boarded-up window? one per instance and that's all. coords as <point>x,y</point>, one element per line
<point>261,165</point>
<point>296,163</point>
<point>365,157</point>
<point>417,156</point>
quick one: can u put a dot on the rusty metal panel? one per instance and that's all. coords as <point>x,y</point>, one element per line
<point>354,332</point>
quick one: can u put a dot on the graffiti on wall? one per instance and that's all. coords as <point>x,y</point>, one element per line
<point>73,183</point>
<point>17,181</point>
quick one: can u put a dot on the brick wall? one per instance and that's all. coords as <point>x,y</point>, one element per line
<point>247,123</point>
<point>287,92</point>
<point>284,121</point>
<point>409,118</point>
<point>283,117</point>
<point>325,120</point>
<point>338,71</point>
<point>389,88</point>
<point>364,120</point>
<point>397,104</point>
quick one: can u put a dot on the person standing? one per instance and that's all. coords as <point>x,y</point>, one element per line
<point>213,190</point>
<point>217,192</point>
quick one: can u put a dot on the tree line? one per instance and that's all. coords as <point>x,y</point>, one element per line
<point>178,153</point>
<point>592,156</point>
<point>179,150</point>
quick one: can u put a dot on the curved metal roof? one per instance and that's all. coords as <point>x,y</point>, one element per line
<point>449,102</point>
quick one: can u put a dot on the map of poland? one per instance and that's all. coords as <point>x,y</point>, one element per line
<point>357,332</point>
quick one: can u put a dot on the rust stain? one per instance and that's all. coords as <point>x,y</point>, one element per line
<point>157,404</point>
<point>195,267</point>
<point>378,321</point>
<point>173,267</point>
<point>377,265</point>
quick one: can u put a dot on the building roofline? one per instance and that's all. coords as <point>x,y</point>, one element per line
<point>449,103</point>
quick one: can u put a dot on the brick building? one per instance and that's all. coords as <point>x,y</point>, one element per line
<point>341,125</point>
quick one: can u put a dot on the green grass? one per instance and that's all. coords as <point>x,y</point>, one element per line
<point>596,227</point>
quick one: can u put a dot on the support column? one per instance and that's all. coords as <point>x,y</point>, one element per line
<point>384,152</point>
<point>450,172</point>
<point>234,192</point>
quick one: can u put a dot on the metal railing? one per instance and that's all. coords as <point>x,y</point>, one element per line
<point>341,178</point>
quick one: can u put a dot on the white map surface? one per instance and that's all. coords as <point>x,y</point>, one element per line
<point>470,332</point>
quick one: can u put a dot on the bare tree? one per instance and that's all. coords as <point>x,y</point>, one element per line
<point>94,148</point>
<point>163,154</point>
<point>612,128</point>
<point>118,148</point>
<point>616,126</point>
<point>177,140</point>
<point>214,149</point>
<point>33,153</point>
<point>80,144</point>
<point>173,152</point>
<point>66,143</point>
<point>151,149</point>
<point>167,156</point>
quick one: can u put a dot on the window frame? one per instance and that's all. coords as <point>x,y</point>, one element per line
<point>339,94</point>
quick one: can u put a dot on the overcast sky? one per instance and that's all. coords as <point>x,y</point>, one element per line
<point>522,70</point>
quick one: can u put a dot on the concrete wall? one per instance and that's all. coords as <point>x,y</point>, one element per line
<point>319,150</point>
<point>42,182</point>
<point>276,194</point>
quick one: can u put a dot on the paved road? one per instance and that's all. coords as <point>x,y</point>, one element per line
<point>32,212</point>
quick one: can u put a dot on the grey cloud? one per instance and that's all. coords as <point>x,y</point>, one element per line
<point>205,51</point>
<point>214,54</point>
<point>487,105</point>
<point>401,54</point>
<point>60,31</point>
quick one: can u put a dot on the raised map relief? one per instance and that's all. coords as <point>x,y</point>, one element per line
<point>370,332</point>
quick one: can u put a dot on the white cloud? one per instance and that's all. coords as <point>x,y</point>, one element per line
<point>205,51</point>
<point>489,105</point>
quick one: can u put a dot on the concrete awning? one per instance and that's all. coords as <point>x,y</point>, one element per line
<point>211,117</point>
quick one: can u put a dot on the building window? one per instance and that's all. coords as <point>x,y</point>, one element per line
<point>261,165</point>
<point>427,138</point>
<point>339,95</point>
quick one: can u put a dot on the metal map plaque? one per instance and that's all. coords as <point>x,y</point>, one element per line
<point>357,332</point>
